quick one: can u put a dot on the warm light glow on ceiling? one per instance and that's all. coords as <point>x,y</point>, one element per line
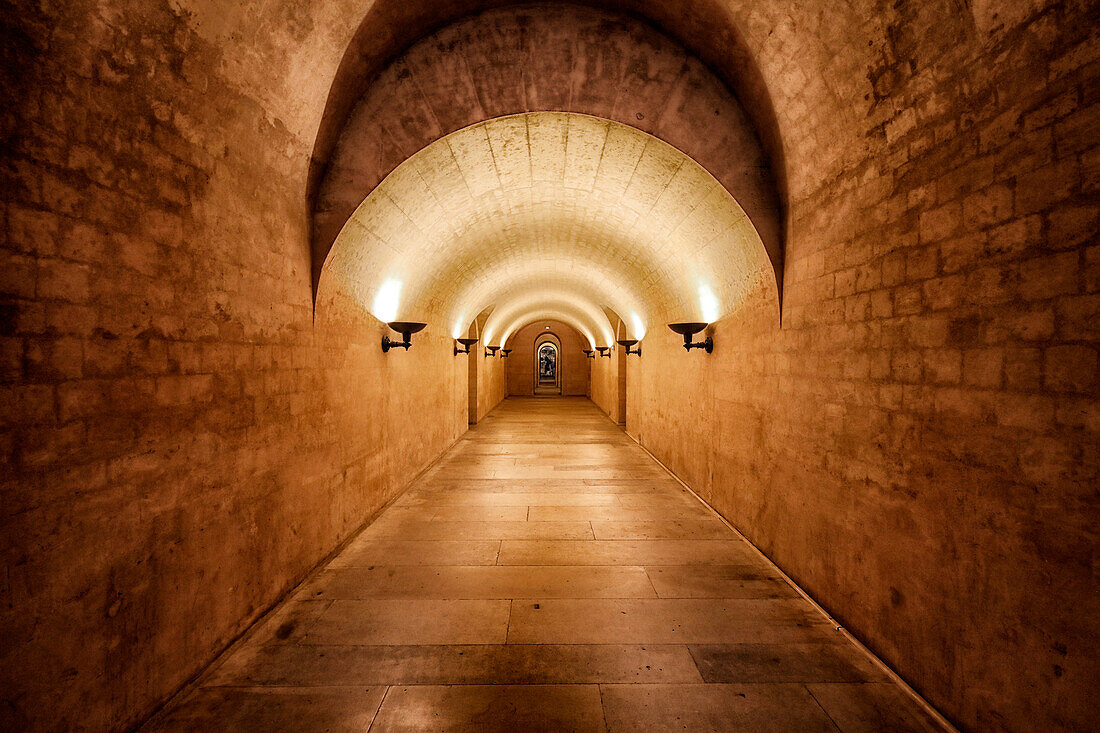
<point>549,314</point>
<point>708,305</point>
<point>386,301</point>
<point>548,212</point>
<point>592,320</point>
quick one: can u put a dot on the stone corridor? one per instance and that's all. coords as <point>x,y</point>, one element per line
<point>546,574</point>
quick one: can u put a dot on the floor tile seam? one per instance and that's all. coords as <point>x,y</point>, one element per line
<point>306,644</point>
<point>380,645</point>
<point>551,597</point>
<point>565,584</point>
<point>603,710</point>
<point>548,539</point>
<point>548,597</point>
<point>586,565</point>
<point>542,539</point>
<point>519,684</point>
<point>381,566</point>
<point>303,645</point>
<point>463,683</point>
<point>817,702</point>
<point>593,565</point>
<point>295,686</point>
<point>715,684</point>
<point>651,583</point>
<point>378,709</point>
<point>695,662</point>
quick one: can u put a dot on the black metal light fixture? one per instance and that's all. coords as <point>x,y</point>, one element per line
<point>687,330</point>
<point>588,353</point>
<point>406,329</point>
<point>466,344</point>
<point>504,353</point>
<point>491,350</point>
<point>628,343</point>
<point>604,351</point>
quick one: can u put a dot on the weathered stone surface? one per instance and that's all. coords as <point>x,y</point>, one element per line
<point>914,440</point>
<point>544,58</point>
<point>463,647</point>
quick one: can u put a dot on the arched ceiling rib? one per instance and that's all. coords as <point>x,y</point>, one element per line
<point>588,318</point>
<point>546,57</point>
<point>706,27</point>
<point>800,70</point>
<point>545,210</point>
<point>548,314</point>
<point>562,279</point>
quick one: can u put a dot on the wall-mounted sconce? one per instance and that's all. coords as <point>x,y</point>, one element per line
<point>466,343</point>
<point>491,350</point>
<point>687,330</point>
<point>406,329</point>
<point>628,343</point>
<point>604,351</point>
<point>588,353</point>
<point>504,353</point>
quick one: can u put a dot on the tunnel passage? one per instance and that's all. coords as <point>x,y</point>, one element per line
<point>547,215</point>
<point>548,361</point>
<point>196,411</point>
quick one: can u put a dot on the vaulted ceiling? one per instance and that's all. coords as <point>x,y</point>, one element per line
<point>548,214</point>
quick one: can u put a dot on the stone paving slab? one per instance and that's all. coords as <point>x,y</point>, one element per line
<point>496,594</point>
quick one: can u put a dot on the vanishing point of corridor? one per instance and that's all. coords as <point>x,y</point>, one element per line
<point>546,574</point>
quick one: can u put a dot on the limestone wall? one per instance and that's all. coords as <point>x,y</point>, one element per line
<point>915,442</point>
<point>183,436</point>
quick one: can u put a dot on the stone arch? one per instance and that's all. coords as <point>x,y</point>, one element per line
<point>472,221</point>
<point>544,314</point>
<point>607,64</point>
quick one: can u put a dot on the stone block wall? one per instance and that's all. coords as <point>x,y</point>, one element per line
<point>918,444</point>
<point>183,436</point>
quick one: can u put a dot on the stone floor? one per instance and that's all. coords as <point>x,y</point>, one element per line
<point>546,574</point>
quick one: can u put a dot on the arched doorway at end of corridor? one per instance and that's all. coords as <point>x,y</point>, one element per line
<point>560,369</point>
<point>548,365</point>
